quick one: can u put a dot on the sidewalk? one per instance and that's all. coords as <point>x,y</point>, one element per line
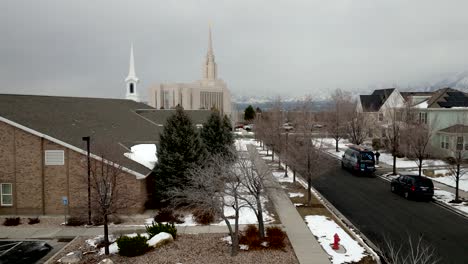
<point>305,245</point>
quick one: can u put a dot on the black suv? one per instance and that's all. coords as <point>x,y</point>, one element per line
<point>412,186</point>
<point>359,159</point>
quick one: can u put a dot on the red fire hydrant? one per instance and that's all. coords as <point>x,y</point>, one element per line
<point>336,241</point>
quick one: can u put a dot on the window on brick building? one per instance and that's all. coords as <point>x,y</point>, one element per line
<point>54,157</point>
<point>6,193</point>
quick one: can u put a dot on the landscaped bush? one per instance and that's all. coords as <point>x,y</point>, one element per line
<point>12,221</point>
<point>76,221</point>
<point>157,228</point>
<point>33,221</point>
<point>203,217</point>
<point>168,215</point>
<point>275,237</point>
<point>132,246</point>
<point>250,237</point>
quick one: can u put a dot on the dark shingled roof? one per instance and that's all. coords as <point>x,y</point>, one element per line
<point>111,123</point>
<point>448,98</point>
<point>456,129</point>
<point>160,116</point>
<point>373,102</point>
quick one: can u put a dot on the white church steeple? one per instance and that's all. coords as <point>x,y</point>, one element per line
<point>131,80</point>
<point>210,68</point>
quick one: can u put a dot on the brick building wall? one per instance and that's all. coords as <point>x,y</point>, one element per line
<point>38,188</point>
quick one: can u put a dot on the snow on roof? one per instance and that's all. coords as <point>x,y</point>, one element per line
<point>145,154</point>
<point>423,104</point>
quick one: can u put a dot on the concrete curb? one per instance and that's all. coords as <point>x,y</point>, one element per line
<point>49,261</point>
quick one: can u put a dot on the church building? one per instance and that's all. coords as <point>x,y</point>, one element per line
<point>207,93</point>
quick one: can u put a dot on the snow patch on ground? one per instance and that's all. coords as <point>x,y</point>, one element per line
<point>145,154</point>
<point>324,229</point>
<point>450,180</point>
<point>446,197</point>
<point>246,214</point>
<point>296,195</point>
<point>241,143</point>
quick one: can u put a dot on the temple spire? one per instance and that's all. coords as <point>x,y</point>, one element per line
<point>131,69</point>
<point>210,68</point>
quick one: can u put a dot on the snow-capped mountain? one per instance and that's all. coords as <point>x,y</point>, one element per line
<point>457,81</point>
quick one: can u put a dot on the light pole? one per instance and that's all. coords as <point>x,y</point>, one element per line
<point>286,154</point>
<point>88,139</point>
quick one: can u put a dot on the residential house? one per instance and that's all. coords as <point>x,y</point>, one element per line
<point>377,108</point>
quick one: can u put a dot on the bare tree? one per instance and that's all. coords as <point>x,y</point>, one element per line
<point>356,128</point>
<point>411,252</point>
<point>109,188</point>
<point>214,186</point>
<point>339,115</point>
<point>307,156</point>
<point>392,137</point>
<point>418,137</point>
<point>458,159</point>
<point>253,181</point>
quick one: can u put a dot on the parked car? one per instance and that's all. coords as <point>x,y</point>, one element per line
<point>412,186</point>
<point>359,159</point>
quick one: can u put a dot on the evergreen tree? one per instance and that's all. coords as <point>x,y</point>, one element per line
<point>179,149</point>
<point>249,113</point>
<point>216,134</point>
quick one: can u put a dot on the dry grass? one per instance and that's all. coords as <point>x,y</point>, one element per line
<point>194,249</point>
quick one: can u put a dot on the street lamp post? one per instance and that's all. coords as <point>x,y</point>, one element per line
<point>88,139</point>
<point>286,154</point>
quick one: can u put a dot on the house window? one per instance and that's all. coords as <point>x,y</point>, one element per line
<point>444,142</point>
<point>384,134</point>
<point>423,118</point>
<point>459,143</point>
<point>380,116</point>
<point>54,157</point>
<point>6,193</point>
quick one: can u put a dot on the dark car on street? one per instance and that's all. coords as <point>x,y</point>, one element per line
<point>413,186</point>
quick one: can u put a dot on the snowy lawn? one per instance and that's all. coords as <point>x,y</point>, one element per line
<point>446,197</point>
<point>324,229</point>
<point>448,179</point>
<point>296,195</point>
<point>241,143</point>
<point>387,158</point>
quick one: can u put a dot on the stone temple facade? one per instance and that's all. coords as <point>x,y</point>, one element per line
<point>207,93</point>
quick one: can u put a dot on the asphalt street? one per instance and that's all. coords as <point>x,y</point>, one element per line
<point>379,213</point>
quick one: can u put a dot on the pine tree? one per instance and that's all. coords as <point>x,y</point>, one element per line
<point>180,148</point>
<point>216,134</point>
<point>249,113</point>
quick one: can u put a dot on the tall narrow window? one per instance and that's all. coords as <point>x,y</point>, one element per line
<point>380,116</point>
<point>459,143</point>
<point>6,193</point>
<point>132,89</point>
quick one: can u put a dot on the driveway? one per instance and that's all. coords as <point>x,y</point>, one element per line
<point>378,213</point>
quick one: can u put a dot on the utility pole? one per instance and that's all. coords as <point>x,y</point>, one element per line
<point>88,139</point>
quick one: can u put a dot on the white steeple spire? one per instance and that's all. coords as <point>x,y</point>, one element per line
<point>132,80</point>
<point>210,68</point>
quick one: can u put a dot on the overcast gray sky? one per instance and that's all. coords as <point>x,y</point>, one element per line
<point>81,47</point>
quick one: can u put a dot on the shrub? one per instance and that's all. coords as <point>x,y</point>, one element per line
<point>167,215</point>
<point>76,221</point>
<point>157,228</point>
<point>12,221</point>
<point>203,217</point>
<point>275,237</point>
<point>33,221</point>
<point>132,246</point>
<point>250,237</point>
